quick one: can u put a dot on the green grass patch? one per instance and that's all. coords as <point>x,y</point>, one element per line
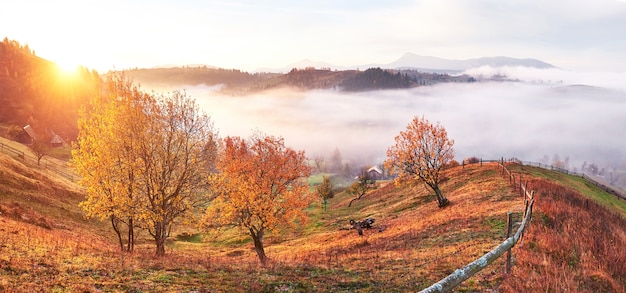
<point>496,223</point>
<point>187,237</point>
<point>578,183</point>
<point>62,153</point>
<point>316,179</point>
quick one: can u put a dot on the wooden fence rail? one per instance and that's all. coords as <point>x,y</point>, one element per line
<point>609,189</point>
<point>11,151</point>
<point>448,283</point>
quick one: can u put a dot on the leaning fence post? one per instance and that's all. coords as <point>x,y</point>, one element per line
<point>525,206</point>
<point>509,226</point>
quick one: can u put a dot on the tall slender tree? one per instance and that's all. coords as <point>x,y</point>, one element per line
<point>325,190</point>
<point>104,156</point>
<point>175,160</point>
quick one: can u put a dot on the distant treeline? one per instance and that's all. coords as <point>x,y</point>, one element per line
<point>240,82</point>
<point>376,79</point>
<point>195,76</point>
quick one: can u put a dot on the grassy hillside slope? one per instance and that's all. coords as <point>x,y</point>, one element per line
<point>577,240</point>
<point>413,244</point>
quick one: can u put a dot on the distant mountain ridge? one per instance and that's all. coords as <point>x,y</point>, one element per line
<point>410,60</point>
<point>410,70</point>
<point>424,63</point>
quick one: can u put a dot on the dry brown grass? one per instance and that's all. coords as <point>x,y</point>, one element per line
<point>420,241</point>
<point>418,245</point>
<point>574,245</point>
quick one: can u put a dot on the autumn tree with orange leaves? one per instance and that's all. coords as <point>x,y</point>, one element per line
<point>260,185</point>
<point>420,153</point>
<point>143,159</point>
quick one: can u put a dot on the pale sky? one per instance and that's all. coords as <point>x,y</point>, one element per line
<point>578,35</point>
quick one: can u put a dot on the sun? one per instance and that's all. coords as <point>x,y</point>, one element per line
<point>67,68</point>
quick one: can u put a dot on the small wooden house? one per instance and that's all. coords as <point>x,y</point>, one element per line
<point>31,133</point>
<point>375,173</point>
<point>56,141</point>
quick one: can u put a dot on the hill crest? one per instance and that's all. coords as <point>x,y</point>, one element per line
<point>414,244</point>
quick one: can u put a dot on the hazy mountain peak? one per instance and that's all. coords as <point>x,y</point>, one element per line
<point>427,63</point>
<point>411,60</point>
<point>304,63</point>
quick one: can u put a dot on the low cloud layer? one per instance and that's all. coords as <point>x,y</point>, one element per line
<point>486,119</point>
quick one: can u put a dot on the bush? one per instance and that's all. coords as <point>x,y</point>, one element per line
<point>471,160</point>
<point>14,132</point>
<point>452,163</point>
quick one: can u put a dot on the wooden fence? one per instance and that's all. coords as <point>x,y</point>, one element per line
<point>448,283</point>
<point>609,189</point>
<point>27,159</point>
<point>11,151</point>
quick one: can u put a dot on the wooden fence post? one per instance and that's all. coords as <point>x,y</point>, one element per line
<point>509,227</point>
<point>525,205</point>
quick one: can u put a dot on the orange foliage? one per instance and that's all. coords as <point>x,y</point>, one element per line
<point>420,153</point>
<point>259,186</point>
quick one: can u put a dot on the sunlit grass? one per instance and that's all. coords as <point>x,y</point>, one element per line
<point>414,244</point>
<point>574,245</point>
<point>580,184</point>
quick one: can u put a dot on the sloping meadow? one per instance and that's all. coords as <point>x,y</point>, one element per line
<point>573,244</point>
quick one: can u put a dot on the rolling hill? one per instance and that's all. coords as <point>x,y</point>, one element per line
<point>410,70</point>
<point>574,243</point>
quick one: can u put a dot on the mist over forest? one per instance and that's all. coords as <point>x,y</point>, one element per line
<point>547,114</point>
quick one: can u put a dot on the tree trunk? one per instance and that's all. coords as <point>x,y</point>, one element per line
<point>116,228</point>
<point>356,198</point>
<point>441,199</point>
<point>131,235</point>
<point>160,234</point>
<point>258,246</point>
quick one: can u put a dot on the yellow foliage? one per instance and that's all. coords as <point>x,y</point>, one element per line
<point>144,159</point>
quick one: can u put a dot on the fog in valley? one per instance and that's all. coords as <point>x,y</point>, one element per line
<point>541,116</point>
